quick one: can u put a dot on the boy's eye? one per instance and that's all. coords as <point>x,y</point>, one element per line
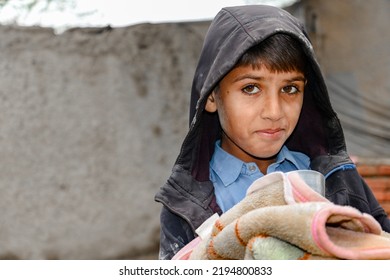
<point>290,89</point>
<point>251,89</point>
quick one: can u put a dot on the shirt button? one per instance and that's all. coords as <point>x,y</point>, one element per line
<point>252,168</point>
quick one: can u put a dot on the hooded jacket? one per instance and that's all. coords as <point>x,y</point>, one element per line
<point>188,195</point>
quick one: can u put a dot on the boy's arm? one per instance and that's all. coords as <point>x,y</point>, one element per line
<point>376,209</point>
<point>349,188</point>
<point>175,233</point>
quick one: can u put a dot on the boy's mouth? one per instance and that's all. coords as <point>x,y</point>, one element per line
<point>271,132</point>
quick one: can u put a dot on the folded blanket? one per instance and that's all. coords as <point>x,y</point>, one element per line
<point>283,218</point>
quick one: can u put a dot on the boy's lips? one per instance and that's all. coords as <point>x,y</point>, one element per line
<point>271,132</point>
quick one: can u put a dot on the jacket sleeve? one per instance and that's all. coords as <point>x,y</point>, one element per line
<point>175,233</point>
<point>376,209</point>
<point>347,187</point>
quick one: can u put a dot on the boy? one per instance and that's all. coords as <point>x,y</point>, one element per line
<point>259,104</point>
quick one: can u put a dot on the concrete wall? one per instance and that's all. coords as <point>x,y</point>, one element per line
<point>351,35</point>
<point>91,122</point>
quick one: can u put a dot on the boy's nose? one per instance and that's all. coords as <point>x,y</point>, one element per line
<point>272,108</point>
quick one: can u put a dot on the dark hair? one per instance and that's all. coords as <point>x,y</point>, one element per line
<point>279,53</point>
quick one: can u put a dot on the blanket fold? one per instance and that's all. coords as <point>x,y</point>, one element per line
<point>283,218</point>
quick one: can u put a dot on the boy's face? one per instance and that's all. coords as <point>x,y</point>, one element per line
<point>258,110</point>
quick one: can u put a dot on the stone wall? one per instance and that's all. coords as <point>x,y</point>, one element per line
<point>91,122</point>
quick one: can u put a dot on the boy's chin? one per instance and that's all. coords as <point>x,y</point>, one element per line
<point>269,154</point>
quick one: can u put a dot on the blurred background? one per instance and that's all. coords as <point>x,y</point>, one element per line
<point>94,104</point>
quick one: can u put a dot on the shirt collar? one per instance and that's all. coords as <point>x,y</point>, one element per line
<point>230,168</point>
<point>283,155</point>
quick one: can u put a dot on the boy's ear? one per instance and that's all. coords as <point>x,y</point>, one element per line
<point>211,104</point>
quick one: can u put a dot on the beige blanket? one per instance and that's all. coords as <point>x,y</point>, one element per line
<point>283,218</point>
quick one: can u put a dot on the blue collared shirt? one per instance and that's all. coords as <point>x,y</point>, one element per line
<point>232,177</point>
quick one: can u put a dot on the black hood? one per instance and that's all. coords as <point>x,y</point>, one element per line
<point>233,31</point>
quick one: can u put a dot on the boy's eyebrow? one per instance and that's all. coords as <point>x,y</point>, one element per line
<point>247,76</point>
<point>297,78</point>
